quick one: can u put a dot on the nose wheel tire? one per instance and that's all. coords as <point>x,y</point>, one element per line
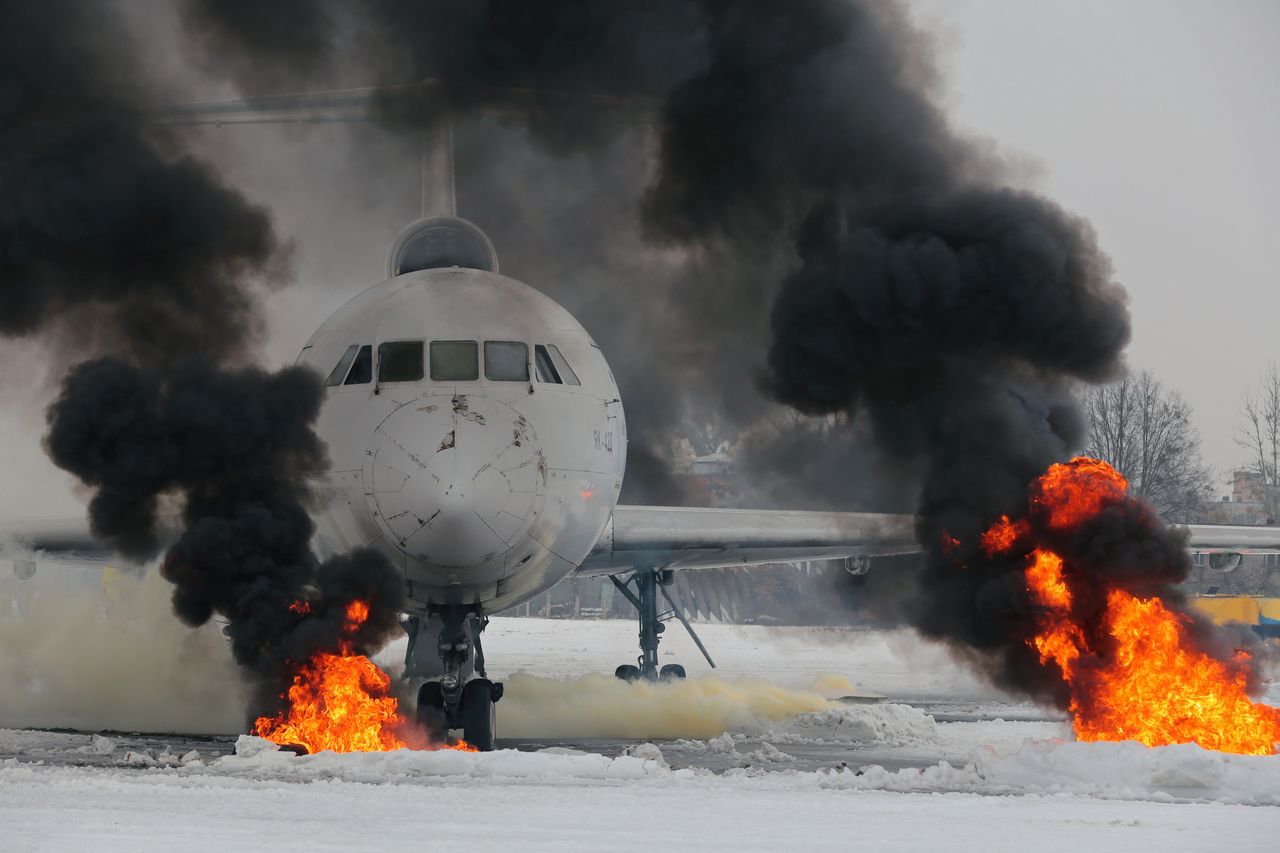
<point>627,672</point>
<point>431,714</point>
<point>631,672</point>
<point>479,717</point>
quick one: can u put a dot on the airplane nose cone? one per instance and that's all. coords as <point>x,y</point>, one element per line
<point>454,481</point>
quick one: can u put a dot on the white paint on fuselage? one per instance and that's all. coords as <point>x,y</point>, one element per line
<point>483,492</point>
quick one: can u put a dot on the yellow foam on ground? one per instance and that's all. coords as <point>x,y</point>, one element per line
<point>599,705</point>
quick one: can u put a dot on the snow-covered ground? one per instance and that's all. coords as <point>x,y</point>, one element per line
<point>555,801</point>
<point>66,812</point>
<point>755,756</point>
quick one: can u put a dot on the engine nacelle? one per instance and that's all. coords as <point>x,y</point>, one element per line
<point>857,565</point>
<point>24,570</point>
<point>441,242</point>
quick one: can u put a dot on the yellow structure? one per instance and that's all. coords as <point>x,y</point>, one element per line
<point>1247,609</point>
<point>1229,608</point>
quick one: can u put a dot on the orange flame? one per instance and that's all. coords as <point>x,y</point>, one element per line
<point>1002,535</point>
<point>337,702</point>
<point>341,702</point>
<point>1141,678</point>
<point>1076,491</point>
<point>1061,639</point>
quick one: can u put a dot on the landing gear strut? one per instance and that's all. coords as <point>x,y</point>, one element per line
<point>648,585</point>
<point>462,697</point>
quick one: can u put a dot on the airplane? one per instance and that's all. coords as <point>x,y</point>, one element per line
<point>478,439</point>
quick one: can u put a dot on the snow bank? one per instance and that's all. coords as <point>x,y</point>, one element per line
<point>1114,771</point>
<point>887,725</point>
<point>1127,771</point>
<point>871,725</point>
<point>260,758</point>
<point>1131,770</point>
<point>1124,771</point>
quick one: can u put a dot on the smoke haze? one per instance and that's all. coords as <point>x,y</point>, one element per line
<point>791,222</point>
<point>110,655</point>
<point>108,227</point>
<point>810,194</point>
<point>660,207</point>
<point>239,447</point>
<point>121,244</point>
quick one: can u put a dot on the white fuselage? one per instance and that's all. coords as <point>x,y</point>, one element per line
<point>482,490</point>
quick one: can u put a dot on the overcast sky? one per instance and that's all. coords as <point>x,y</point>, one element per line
<point>1159,121</point>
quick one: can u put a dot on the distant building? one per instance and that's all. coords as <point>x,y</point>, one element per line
<point>717,464</point>
<point>1236,574</point>
<point>712,481</point>
<point>1247,486</point>
<point>1245,505</point>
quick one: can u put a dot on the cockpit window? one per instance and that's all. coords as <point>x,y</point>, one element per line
<point>362,370</point>
<point>506,361</point>
<point>454,361</point>
<point>544,368</point>
<point>344,364</point>
<point>400,361</point>
<point>552,367</point>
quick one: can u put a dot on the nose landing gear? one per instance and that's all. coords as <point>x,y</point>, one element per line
<point>456,700</point>
<point>648,585</point>
<point>474,711</point>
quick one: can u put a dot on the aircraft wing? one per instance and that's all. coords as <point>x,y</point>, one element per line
<point>660,537</point>
<point>53,541</point>
<point>51,534</point>
<point>63,538</point>
<point>426,98</point>
<point>1233,539</point>
<point>694,538</point>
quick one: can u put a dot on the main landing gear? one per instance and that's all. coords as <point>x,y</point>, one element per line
<point>642,588</point>
<point>462,697</point>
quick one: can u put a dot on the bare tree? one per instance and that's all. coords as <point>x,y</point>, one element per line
<point>1145,431</point>
<point>1259,434</point>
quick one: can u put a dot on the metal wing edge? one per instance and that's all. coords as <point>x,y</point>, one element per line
<point>430,97</point>
<point>692,538</point>
<point>1211,538</point>
<point>50,534</point>
<point>683,538</point>
<point>67,538</point>
<point>680,538</point>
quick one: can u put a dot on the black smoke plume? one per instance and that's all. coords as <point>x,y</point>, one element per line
<point>722,121</point>
<point>841,248</point>
<point>238,447</point>
<point>118,243</point>
<point>106,224</point>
